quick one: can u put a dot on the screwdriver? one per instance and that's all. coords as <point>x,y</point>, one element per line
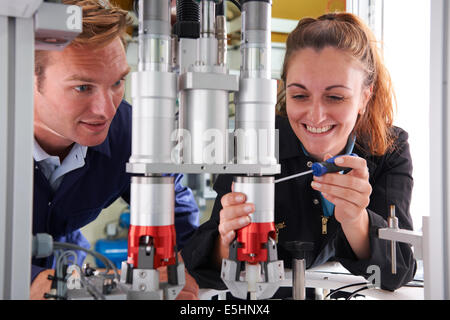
<point>320,168</point>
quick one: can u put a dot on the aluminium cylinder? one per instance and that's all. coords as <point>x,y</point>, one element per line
<point>154,35</point>
<point>256,40</point>
<point>204,116</point>
<point>255,122</point>
<point>261,192</point>
<point>255,102</point>
<point>152,201</point>
<point>154,97</point>
<point>154,87</point>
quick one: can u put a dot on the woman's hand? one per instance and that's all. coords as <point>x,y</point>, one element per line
<point>350,193</point>
<point>233,216</point>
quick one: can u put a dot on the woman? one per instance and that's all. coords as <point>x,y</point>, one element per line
<point>337,99</point>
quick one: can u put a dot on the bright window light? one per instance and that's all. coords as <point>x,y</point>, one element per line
<point>406,33</point>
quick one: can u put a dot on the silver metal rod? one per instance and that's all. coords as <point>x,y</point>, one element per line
<point>207,18</point>
<point>298,279</point>
<point>393,224</point>
<point>294,176</point>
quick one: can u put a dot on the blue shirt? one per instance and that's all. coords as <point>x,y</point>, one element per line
<point>51,166</point>
<point>85,191</point>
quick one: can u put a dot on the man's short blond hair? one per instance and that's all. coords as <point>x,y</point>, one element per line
<point>102,23</point>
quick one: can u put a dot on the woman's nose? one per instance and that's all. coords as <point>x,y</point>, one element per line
<point>317,113</point>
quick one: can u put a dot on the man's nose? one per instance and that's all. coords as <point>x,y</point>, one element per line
<point>104,105</point>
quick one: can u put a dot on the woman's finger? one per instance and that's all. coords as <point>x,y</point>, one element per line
<point>358,165</point>
<point>357,198</point>
<point>344,180</point>
<point>233,198</point>
<point>235,211</point>
<point>231,225</point>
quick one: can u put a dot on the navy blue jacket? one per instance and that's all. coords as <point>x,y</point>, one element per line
<point>298,208</point>
<point>86,191</point>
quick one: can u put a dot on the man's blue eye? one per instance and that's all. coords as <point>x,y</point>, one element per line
<point>118,83</point>
<point>82,88</point>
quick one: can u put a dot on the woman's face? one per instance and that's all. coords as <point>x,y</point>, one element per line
<point>324,95</point>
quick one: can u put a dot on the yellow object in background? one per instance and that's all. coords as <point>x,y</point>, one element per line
<point>297,9</point>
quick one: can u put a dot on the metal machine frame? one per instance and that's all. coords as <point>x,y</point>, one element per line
<point>24,27</point>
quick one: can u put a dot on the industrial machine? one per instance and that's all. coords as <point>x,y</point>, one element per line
<point>190,65</point>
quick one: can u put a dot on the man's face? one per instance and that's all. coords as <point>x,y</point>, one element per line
<point>79,95</point>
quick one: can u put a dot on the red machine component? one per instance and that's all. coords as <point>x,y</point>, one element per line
<point>163,242</point>
<point>253,241</point>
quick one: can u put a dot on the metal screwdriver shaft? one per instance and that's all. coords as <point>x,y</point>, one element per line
<point>294,176</point>
<point>320,168</point>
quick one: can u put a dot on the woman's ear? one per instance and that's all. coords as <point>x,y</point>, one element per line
<point>365,98</point>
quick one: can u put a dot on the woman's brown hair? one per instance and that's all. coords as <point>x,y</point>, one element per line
<point>347,32</point>
<point>102,23</point>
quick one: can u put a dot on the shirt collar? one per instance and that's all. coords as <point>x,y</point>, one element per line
<point>40,154</point>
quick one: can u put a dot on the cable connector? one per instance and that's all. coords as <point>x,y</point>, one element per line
<point>42,245</point>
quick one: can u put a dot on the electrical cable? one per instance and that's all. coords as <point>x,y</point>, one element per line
<point>108,263</point>
<point>344,287</point>
<point>356,291</point>
<point>62,259</point>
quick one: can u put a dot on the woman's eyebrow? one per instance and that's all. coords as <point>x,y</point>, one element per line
<point>297,85</point>
<point>337,86</point>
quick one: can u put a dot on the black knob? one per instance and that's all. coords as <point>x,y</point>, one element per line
<point>298,249</point>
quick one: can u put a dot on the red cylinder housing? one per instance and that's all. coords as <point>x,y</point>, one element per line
<point>164,241</point>
<point>253,241</point>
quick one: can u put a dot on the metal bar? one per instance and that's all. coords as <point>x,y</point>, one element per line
<point>17,139</point>
<point>434,276</point>
<point>3,143</point>
<point>401,235</point>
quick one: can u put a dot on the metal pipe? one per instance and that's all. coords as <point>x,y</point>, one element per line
<point>207,18</point>
<point>298,279</point>
<point>393,224</point>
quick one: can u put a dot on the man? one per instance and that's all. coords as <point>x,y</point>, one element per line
<point>82,131</point>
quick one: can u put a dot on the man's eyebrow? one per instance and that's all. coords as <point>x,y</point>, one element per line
<point>127,71</point>
<point>77,77</point>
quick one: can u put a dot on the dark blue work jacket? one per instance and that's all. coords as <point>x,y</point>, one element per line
<point>86,191</point>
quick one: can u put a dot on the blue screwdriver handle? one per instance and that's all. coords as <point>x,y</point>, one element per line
<point>328,166</point>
